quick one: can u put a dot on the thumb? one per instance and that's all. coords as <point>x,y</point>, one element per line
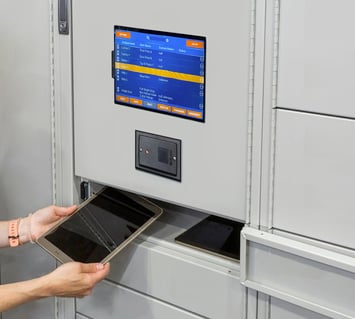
<point>97,271</point>
<point>92,268</point>
<point>64,211</point>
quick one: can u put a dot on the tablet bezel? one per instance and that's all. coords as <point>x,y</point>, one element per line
<point>63,258</point>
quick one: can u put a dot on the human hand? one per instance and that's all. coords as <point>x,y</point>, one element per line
<point>35,225</point>
<point>74,279</point>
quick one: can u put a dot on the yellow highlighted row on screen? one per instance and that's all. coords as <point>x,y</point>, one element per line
<point>158,72</point>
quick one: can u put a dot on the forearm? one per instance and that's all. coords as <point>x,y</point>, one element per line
<point>4,240</point>
<point>69,280</point>
<point>14,294</point>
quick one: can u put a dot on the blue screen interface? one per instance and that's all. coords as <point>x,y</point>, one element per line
<point>161,72</point>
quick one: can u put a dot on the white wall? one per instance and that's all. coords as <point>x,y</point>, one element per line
<point>25,136</point>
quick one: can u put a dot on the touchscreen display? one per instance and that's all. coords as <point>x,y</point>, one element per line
<point>160,71</point>
<point>99,227</point>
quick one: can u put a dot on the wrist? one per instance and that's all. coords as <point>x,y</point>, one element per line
<point>43,287</point>
<point>13,232</point>
<point>24,230</point>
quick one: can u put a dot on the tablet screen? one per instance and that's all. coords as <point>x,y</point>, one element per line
<point>98,228</point>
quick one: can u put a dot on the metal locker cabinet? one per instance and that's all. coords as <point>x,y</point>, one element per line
<point>52,95</point>
<point>307,119</point>
<point>104,149</point>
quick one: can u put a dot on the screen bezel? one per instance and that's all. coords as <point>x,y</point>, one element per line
<point>63,258</point>
<point>173,34</point>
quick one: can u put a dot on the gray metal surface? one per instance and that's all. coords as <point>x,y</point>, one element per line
<point>315,177</point>
<point>25,137</point>
<point>316,57</point>
<point>311,277</point>
<point>308,66</point>
<point>214,153</point>
<point>281,310</point>
<point>147,266</point>
<point>122,302</point>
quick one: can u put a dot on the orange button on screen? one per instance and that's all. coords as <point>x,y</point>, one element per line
<point>135,101</point>
<point>121,98</point>
<point>178,111</point>
<point>195,114</point>
<point>164,107</point>
<point>194,44</point>
<point>123,34</point>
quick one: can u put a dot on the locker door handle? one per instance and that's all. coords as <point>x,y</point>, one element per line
<point>63,22</point>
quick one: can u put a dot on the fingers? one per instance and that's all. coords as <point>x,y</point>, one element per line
<point>96,272</point>
<point>91,268</point>
<point>96,268</point>
<point>102,272</point>
<point>76,279</point>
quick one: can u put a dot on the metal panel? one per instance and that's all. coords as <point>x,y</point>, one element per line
<point>63,108</point>
<point>281,310</point>
<point>25,136</point>
<point>315,177</point>
<point>266,47</point>
<point>316,56</point>
<point>179,275</point>
<point>110,301</point>
<point>214,153</point>
<point>149,268</point>
<point>316,279</point>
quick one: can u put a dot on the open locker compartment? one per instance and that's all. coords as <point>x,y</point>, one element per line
<point>166,277</point>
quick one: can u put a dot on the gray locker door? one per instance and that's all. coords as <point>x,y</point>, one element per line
<point>25,137</point>
<point>316,64</point>
<point>314,177</point>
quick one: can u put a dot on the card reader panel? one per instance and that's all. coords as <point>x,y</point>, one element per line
<point>158,154</point>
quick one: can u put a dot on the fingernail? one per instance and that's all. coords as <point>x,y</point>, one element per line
<point>99,266</point>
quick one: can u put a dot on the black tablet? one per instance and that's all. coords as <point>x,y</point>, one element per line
<point>215,235</point>
<point>101,227</point>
